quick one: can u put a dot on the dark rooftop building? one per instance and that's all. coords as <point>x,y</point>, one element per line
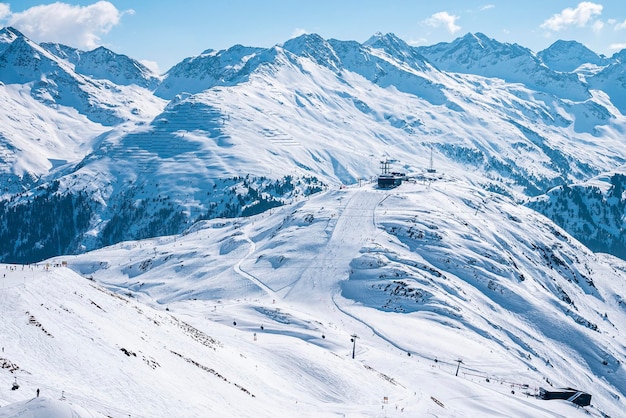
<point>573,395</point>
<point>387,179</point>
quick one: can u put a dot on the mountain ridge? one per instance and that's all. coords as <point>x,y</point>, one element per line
<point>380,99</point>
<point>102,63</point>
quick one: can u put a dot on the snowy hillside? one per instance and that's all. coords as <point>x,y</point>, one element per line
<point>235,132</point>
<point>254,316</point>
<point>51,115</point>
<point>593,210</point>
<point>612,79</point>
<point>211,241</point>
<point>54,82</point>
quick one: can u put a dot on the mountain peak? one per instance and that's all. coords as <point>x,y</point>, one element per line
<point>315,47</point>
<point>24,61</point>
<point>9,34</point>
<point>388,42</point>
<point>387,38</point>
<point>306,43</point>
<point>398,48</point>
<point>476,39</point>
<point>567,56</point>
<point>103,51</point>
<point>306,37</point>
<point>471,50</point>
<point>210,68</point>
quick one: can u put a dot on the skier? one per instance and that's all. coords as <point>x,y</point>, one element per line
<point>37,392</point>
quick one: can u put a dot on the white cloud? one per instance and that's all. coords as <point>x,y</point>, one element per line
<point>5,10</point>
<point>152,66</point>
<point>417,42</point>
<point>597,26</point>
<point>298,32</point>
<point>620,26</point>
<point>77,26</point>
<point>579,16</point>
<point>488,6</point>
<point>444,19</point>
<point>617,47</point>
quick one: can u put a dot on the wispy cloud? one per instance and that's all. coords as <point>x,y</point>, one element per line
<point>597,26</point>
<point>579,16</point>
<point>417,42</point>
<point>617,47</point>
<point>620,26</point>
<point>487,7</point>
<point>444,19</point>
<point>77,26</point>
<point>5,10</point>
<point>298,32</point>
<point>152,66</point>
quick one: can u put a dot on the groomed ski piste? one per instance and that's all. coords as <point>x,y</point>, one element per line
<point>415,301</point>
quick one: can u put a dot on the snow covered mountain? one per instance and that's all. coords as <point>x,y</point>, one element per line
<point>54,82</point>
<point>593,210</point>
<point>480,55</point>
<point>52,115</point>
<point>571,56</point>
<point>222,248</point>
<point>209,69</point>
<point>247,129</point>
<point>104,64</point>
<point>612,80</point>
<point>459,302</point>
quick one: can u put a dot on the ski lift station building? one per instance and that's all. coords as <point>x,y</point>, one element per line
<point>391,180</point>
<point>388,179</point>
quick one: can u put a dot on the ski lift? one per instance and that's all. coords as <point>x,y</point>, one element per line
<point>15,385</point>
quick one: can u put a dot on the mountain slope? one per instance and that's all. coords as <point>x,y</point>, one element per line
<point>424,275</point>
<point>225,232</point>
<point>53,82</point>
<point>248,129</point>
<point>52,116</point>
<point>612,80</point>
<point>594,210</point>
<point>35,140</point>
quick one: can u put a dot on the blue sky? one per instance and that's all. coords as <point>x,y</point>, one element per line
<point>163,32</point>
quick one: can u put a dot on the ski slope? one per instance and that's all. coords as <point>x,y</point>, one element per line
<point>254,316</point>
